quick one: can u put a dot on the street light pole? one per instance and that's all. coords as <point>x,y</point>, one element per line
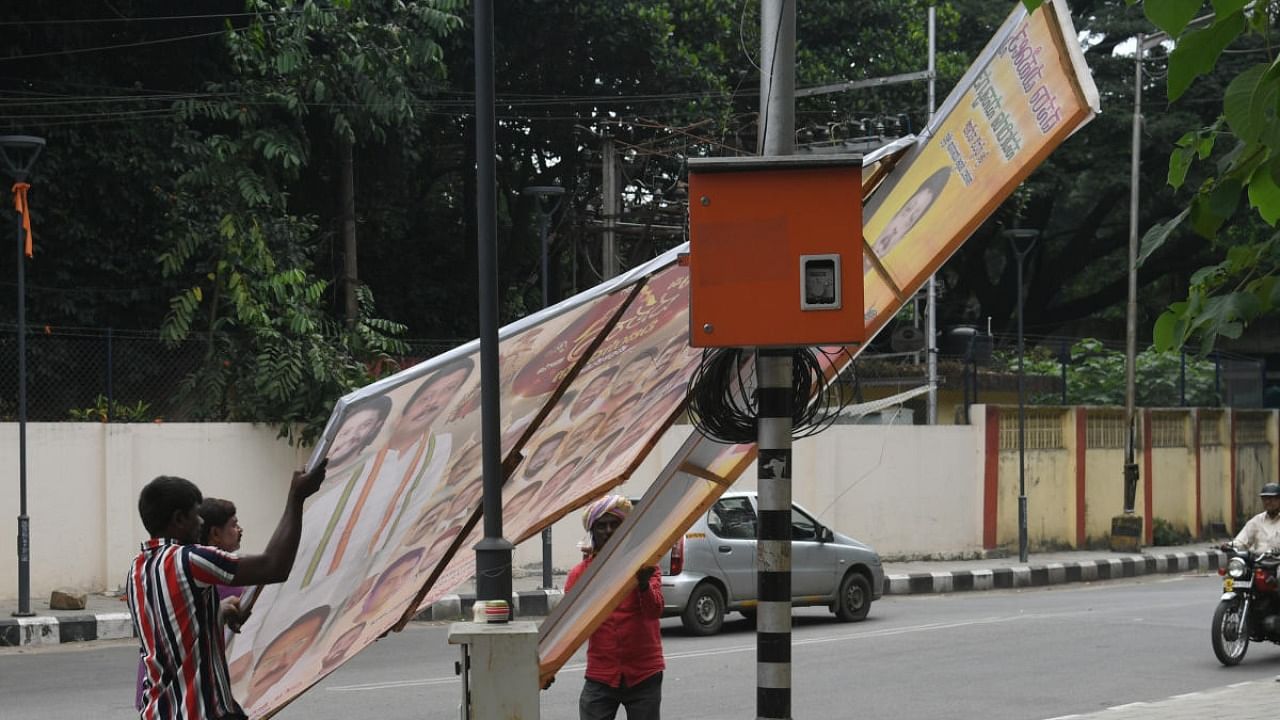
<point>1131,308</point>
<point>493,552</point>
<point>540,193</point>
<point>18,154</point>
<point>1126,528</point>
<point>1016,237</point>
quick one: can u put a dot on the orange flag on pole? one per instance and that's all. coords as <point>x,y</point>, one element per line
<point>20,204</point>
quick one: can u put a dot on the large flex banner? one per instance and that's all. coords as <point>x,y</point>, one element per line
<point>1027,92</point>
<point>586,387</point>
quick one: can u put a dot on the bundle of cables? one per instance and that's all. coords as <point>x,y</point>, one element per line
<point>722,393</point>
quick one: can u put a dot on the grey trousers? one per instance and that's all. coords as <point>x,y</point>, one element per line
<point>600,702</point>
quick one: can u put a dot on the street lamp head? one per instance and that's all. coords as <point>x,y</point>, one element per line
<point>1022,240</point>
<point>542,191</point>
<point>18,154</point>
<point>1022,234</point>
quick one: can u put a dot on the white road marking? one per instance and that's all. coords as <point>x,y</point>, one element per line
<point>729,650</point>
<point>734,649</point>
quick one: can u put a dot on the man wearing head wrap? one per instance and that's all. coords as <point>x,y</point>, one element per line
<point>624,655</point>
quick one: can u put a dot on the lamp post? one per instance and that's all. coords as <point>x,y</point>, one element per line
<point>540,195</point>
<point>493,552</point>
<point>1126,528</point>
<point>1022,242</point>
<point>18,154</point>
<point>1142,43</point>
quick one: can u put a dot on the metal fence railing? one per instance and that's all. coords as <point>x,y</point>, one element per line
<point>1064,371</point>
<point>95,373</point>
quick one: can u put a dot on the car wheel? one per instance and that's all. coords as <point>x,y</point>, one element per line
<point>705,612</point>
<point>854,601</point>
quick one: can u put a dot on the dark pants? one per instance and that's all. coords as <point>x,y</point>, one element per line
<point>642,701</point>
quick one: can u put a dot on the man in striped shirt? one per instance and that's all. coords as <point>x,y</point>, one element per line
<point>171,595</point>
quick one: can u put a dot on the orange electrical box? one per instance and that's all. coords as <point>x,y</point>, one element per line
<point>775,251</point>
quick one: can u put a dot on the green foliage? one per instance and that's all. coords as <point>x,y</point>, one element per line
<point>1165,533</point>
<point>1224,297</point>
<point>104,410</point>
<point>274,352</point>
<point>1096,376</point>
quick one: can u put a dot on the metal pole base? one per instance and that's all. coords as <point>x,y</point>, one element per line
<point>1130,487</point>
<point>1126,533</point>
<point>24,567</point>
<point>493,569</point>
<point>547,582</point>
<point>1022,528</point>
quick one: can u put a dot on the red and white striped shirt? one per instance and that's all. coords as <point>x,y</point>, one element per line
<point>175,615</point>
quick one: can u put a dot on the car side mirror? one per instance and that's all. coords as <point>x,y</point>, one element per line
<point>825,535</point>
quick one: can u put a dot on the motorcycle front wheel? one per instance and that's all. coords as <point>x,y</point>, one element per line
<point>1230,632</point>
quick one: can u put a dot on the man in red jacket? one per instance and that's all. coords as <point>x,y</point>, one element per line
<point>624,655</point>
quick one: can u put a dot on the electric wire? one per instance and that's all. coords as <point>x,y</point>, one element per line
<point>722,393</point>
<point>145,18</point>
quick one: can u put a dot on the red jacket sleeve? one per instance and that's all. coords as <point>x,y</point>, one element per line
<point>574,573</point>
<point>651,597</point>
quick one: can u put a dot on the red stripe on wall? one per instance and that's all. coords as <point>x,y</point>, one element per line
<point>991,479</point>
<point>1147,504</point>
<point>1081,442</point>
<point>1235,494</point>
<point>1195,432</point>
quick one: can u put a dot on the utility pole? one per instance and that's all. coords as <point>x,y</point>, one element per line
<point>612,206</point>
<point>773,380</point>
<point>348,189</point>
<point>931,306</point>
<point>1131,308</point>
<point>1126,528</point>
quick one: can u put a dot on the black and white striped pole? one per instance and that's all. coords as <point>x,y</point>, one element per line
<point>773,549</point>
<point>774,397</point>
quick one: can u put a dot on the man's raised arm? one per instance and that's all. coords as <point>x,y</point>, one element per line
<point>273,565</point>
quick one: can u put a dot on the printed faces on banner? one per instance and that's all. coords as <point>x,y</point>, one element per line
<point>625,395</point>
<point>403,479</point>
<point>405,476</point>
<point>1022,103</point>
<point>631,387</point>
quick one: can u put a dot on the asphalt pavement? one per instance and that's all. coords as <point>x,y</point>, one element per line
<point>106,616</point>
<point>1252,700</point>
<point>1124,650</point>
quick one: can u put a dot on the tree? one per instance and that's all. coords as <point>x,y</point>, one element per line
<point>302,76</point>
<point>1225,296</point>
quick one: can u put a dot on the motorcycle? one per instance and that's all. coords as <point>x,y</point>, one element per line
<point>1250,606</point>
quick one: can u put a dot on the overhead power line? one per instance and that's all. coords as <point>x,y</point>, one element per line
<point>148,18</point>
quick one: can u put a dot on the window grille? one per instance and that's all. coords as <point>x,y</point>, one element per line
<point>1104,429</point>
<point>1168,429</point>
<point>1210,428</point>
<point>1043,428</point>
<point>1251,429</point>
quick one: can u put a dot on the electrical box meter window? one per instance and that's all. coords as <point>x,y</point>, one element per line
<point>775,251</point>
<point>821,288</point>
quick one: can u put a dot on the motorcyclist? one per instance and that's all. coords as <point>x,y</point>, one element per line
<point>1262,533</point>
